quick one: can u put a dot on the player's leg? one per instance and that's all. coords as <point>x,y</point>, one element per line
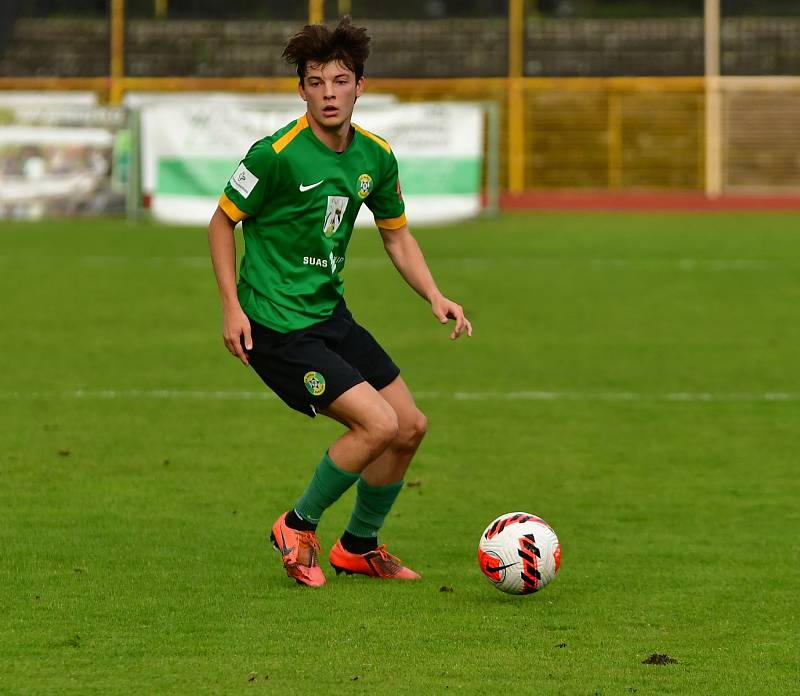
<point>380,483</point>
<point>371,425</point>
<point>311,378</point>
<point>381,480</point>
<point>391,465</point>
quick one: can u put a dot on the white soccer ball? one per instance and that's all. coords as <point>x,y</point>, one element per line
<point>519,553</point>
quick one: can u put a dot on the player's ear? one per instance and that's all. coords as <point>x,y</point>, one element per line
<point>301,90</point>
<point>359,86</point>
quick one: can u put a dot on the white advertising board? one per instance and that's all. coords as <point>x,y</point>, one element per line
<point>190,149</point>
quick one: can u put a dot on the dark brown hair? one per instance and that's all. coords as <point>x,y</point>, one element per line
<point>316,43</point>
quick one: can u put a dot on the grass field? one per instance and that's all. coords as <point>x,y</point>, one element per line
<point>634,379</point>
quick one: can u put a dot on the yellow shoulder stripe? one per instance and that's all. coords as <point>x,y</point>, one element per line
<point>392,223</point>
<point>230,209</point>
<point>291,134</point>
<point>374,137</point>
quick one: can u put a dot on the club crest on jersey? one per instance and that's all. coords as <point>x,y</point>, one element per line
<point>364,186</point>
<point>334,214</point>
<point>315,383</point>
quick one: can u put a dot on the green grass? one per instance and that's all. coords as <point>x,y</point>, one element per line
<point>133,554</point>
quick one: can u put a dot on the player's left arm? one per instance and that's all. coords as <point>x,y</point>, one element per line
<point>408,259</point>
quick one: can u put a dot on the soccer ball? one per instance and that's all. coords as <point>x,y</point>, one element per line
<point>519,553</point>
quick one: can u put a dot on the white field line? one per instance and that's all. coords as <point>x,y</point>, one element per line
<point>599,264</point>
<point>198,395</point>
<point>113,261</point>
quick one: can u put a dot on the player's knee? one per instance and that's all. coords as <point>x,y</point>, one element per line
<point>383,429</point>
<point>410,433</point>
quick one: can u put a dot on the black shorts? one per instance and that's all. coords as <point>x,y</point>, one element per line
<point>312,367</point>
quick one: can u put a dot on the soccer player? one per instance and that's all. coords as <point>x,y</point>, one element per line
<point>297,193</point>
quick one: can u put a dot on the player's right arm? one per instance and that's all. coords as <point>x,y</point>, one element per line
<point>235,324</point>
<point>243,196</point>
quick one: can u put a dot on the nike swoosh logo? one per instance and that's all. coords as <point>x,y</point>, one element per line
<point>310,186</point>
<point>285,550</point>
<point>497,569</point>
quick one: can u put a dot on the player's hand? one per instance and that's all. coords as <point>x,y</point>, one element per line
<point>444,309</point>
<point>235,331</point>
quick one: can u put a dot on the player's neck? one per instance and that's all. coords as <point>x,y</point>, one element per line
<point>337,139</point>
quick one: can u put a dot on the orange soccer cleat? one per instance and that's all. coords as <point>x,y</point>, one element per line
<point>300,551</point>
<point>376,564</point>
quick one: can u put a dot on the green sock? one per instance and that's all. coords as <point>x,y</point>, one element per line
<point>372,505</point>
<point>325,488</point>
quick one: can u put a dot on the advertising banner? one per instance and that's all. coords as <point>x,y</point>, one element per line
<point>190,150</point>
<point>56,157</point>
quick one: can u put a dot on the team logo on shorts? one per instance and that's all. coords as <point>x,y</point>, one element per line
<point>334,214</point>
<point>364,186</point>
<point>315,383</point>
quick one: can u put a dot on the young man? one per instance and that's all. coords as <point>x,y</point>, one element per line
<point>298,192</point>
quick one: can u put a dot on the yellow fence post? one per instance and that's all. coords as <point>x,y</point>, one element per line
<point>614,139</point>
<point>160,8</point>
<point>117,51</point>
<point>516,104</point>
<point>316,11</point>
<point>713,132</point>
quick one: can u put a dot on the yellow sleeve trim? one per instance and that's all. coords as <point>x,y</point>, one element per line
<point>371,136</point>
<point>230,209</point>
<point>392,223</point>
<point>291,134</point>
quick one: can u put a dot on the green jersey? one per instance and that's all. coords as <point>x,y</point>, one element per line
<point>298,200</point>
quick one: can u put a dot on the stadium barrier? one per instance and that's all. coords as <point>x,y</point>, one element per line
<point>604,134</point>
<point>730,135</point>
<point>171,155</point>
